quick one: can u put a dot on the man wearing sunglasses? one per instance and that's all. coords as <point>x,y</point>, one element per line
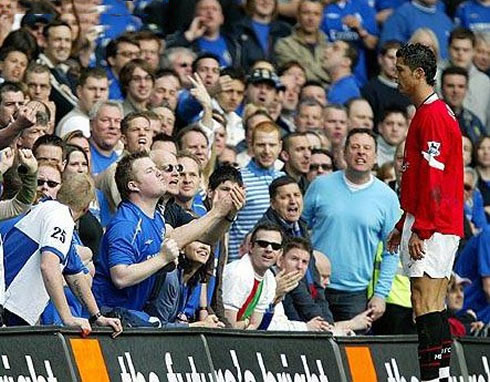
<point>249,286</point>
<point>321,163</point>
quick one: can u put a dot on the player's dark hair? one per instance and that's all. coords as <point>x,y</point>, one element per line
<point>419,56</point>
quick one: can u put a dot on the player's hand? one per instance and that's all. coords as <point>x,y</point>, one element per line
<point>170,251</point>
<point>378,306</point>
<point>27,159</point>
<point>416,247</point>
<point>81,323</point>
<point>114,323</point>
<point>6,159</point>
<point>318,324</point>
<point>393,241</point>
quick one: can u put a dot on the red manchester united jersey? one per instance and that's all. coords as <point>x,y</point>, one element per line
<point>432,180</point>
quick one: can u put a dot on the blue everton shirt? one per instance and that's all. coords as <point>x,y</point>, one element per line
<point>473,15</point>
<point>131,238</point>
<point>217,47</point>
<point>336,30</point>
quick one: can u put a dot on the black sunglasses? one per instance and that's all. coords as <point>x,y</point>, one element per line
<point>468,187</point>
<point>171,167</point>
<point>324,166</point>
<point>228,163</point>
<point>265,244</point>
<point>50,183</point>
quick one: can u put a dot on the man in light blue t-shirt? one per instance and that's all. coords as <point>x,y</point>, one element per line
<point>349,213</point>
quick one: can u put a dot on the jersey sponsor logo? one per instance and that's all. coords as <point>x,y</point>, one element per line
<point>432,152</point>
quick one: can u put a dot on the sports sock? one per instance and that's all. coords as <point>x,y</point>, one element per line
<point>429,328</point>
<point>446,343</point>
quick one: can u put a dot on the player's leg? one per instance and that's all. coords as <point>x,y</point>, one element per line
<point>428,299</point>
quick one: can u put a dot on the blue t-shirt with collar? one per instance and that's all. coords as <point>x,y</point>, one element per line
<point>131,238</point>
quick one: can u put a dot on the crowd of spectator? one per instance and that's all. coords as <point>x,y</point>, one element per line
<point>228,163</point>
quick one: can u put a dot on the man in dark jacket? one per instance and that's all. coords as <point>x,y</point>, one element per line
<point>285,211</point>
<point>259,32</point>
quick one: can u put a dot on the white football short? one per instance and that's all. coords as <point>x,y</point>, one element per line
<point>440,251</point>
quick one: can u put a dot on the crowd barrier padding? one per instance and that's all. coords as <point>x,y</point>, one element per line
<point>52,354</point>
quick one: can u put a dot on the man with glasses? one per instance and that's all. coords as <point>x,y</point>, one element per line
<point>321,163</point>
<point>137,80</point>
<point>180,60</point>
<point>249,286</point>
<point>118,53</point>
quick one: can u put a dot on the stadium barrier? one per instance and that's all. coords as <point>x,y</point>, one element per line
<point>52,354</point>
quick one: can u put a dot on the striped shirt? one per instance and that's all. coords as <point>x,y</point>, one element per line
<point>256,180</point>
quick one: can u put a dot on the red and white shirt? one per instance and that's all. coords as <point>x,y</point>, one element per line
<point>432,180</point>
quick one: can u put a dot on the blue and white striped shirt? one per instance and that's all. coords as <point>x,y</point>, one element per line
<point>256,180</point>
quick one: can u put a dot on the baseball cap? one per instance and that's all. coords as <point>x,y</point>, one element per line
<point>264,75</point>
<point>31,19</point>
<point>460,280</point>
